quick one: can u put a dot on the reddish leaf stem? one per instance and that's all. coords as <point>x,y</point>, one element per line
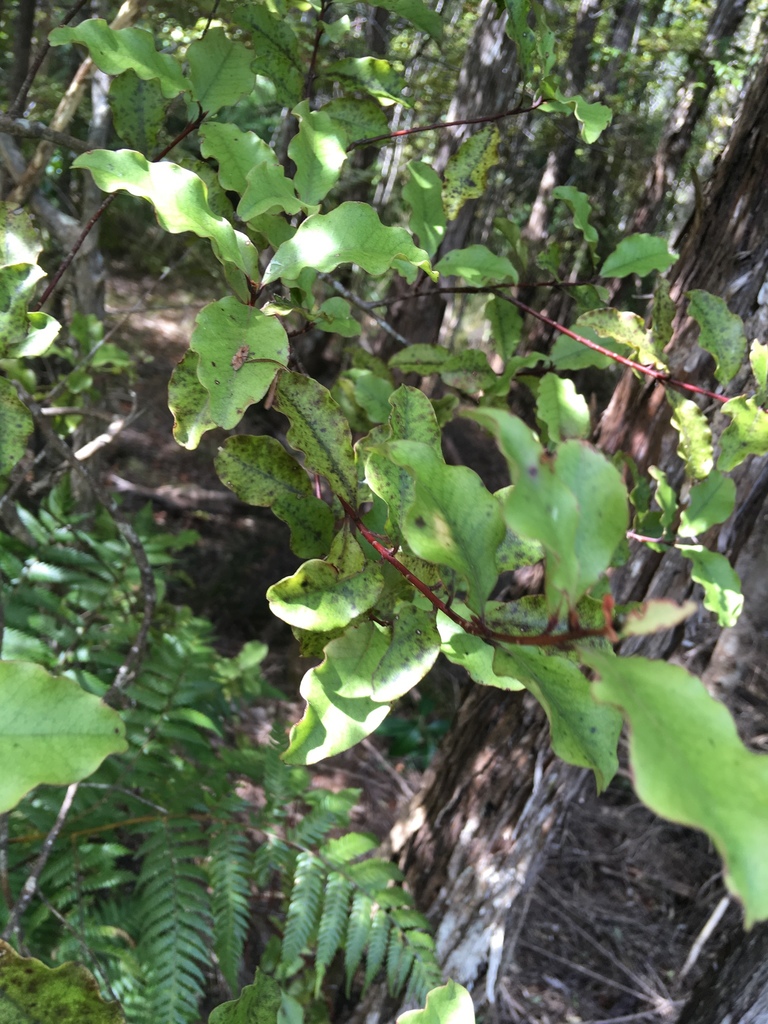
<point>487,119</point>
<point>474,626</point>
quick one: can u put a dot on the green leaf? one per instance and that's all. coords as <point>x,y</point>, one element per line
<point>638,254</point>
<point>721,333</point>
<point>626,328</point>
<point>341,710</point>
<point>689,765</point>
<point>665,497</point>
<point>261,472</point>
<point>319,430</point>
<point>382,79</point>
<point>562,410</point>
<point>32,993</point>
<point>450,1004</point>
<point>19,239</point>
<point>746,434</point>
<point>318,597</point>
<point>655,616</point>
<point>237,153</point>
<point>423,193</point>
<point>520,31</point>
<point>579,205</point>
<point>413,648</point>
<point>478,266</point>
<point>758,359</point>
<point>352,233</point>
<point>583,732</point>
<point>240,351</point>
<point>360,118</point>
<point>506,326</point>
<point>16,425</point>
<point>593,118</point>
<point>662,319</point>
<point>695,445</point>
<point>277,51</point>
<point>189,402</point>
<point>116,50</point>
<point>219,69</point>
<point>138,110</point>
<point>419,15</point>
<point>258,1003</point>
<point>474,655</point>
<point>710,502</point>
<point>268,190</point>
<point>453,519</point>
<point>722,587</point>
<point>412,419</point>
<point>574,504</point>
<point>179,197</point>
<point>318,151</point>
<point>51,732</point>
<point>466,174</point>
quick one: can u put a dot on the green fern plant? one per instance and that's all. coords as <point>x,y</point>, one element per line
<point>152,880</point>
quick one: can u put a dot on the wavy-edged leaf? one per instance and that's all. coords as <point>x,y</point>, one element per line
<point>319,597</point>
<point>690,766</point>
<point>721,332</point>
<point>179,197</point>
<point>710,502</point>
<point>116,50</point>
<point>237,152</point>
<point>381,79</point>
<point>189,402</point>
<point>758,360</point>
<point>319,430</point>
<point>473,654</point>
<point>655,616</point>
<point>359,117</point>
<point>561,409</point>
<point>352,233</point>
<point>695,444</point>
<point>453,519</point>
<point>478,266</point>
<point>261,472</point>
<point>219,70</point>
<point>240,349</point>
<point>593,118</point>
<point>722,586</point>
<point>584,733</point>
<point>638,254</point>
<point>449,1004</point>
<point>259,1003</point>
<point>579,205</point>
<point>746,434</point>
<point>318,151</point>
<point>466,173</point>
<point>626,328</point>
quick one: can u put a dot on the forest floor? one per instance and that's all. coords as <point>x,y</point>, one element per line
<point>623,896</point>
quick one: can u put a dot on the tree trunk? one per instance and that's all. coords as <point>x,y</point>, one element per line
<point>474,838</point>
<point>737,992</point>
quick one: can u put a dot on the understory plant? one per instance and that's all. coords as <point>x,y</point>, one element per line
<point>402,552</point>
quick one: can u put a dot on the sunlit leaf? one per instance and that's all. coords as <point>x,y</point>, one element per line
<point>722,587</point>
<point>423,193</point>
<point>655,616</point>
<point>317,150</point>
<point>450,1004</point>
<point>562,410</point>
<point>721,333</point>
<point>578,203</point>
<point>236,152</point>
<point>638,254</point>
<point>319,597</point>
<point>695,445</point>
<point>710,502</point>
<point>689,765</point>
<point>626,328</point>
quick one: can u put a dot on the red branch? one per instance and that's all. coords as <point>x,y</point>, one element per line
<point>475,626</point>
<point>487,119</point>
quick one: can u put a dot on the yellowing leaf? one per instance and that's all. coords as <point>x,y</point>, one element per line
<point>466,174</point>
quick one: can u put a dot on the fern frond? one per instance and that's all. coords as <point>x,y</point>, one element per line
<point>358,934</point>
<point>228,870</point>
<point>332,926</point>
<point>175,919</point>
<point>304,905</point>
<point>396,954</point>
<point>347,848</point>
<point>378,942</point>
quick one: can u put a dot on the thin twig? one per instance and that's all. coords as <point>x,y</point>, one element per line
<point>475,626</point>
<point>704,936</point>
<point>486,119</point>
<point>5,885</point>
<point>366,308</point>
<point>29,888</point>
<point>17,107</point>
<point>22,129</point>
<point>127,671</point>
<point>309,81</point>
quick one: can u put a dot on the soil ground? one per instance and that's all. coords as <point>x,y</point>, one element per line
<point>623,896</point>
